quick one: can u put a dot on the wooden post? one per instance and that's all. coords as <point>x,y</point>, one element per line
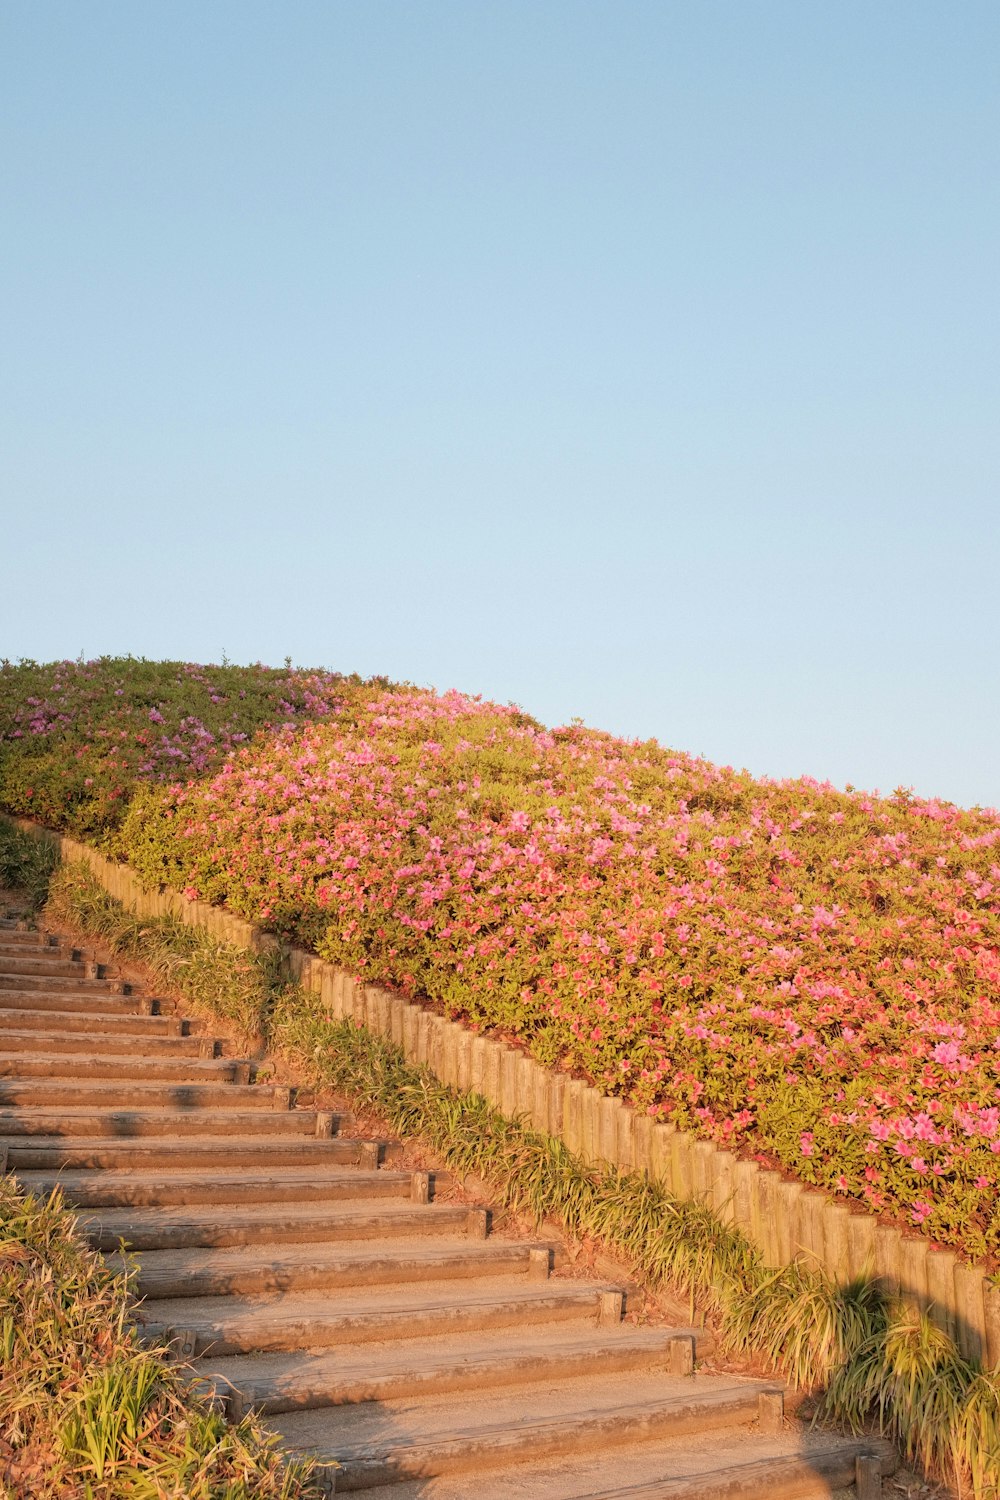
<point>745,1217</point>
<point>642,1142</point>
<point>991,1318</point>
<point>970,1312</point>
<point>410,1014</point>
<point>448,1054</point>
<point>463,1070</point>
<point>770,1412</point>
<point>590,1103</point>
<point>836,1259</point>
<point>723,1188</point>
<point>702,1154</point>
<point>867,1477</point>
<point>437,1031</point>
<point>557,1086</point>
<point>913,1271</point>
<point>788,1201</point>
<point>661,1157</point>
<point>423,1037</point>
<point>770,1210</point>
<point>492,1077</point>
<point>888,1257</point>
<point>861,1246</point>
<point>626,1137</point>
<point>941,1289</point>
<point>573,1116</point>
<point>509,1067</point>
<point>477,1066</point>
<point>608,1128</point>
<point>525,1085</point>
<point>397,1009</point>
<point>682,1160</point>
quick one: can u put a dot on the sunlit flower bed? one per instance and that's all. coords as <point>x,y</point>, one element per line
<point>804,973</point>
<point>75,737</point>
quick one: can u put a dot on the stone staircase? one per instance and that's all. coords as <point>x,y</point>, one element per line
<point>372,1318</point>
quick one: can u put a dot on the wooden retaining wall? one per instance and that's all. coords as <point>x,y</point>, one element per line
<point>786,1220</point>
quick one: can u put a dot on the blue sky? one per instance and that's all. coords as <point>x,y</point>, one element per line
<point>630,361</point>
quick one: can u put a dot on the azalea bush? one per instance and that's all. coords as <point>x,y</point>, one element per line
<point>809,975</point>
<point>76,738</point>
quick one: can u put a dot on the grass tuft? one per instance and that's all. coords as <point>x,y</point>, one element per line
<point>88,1412</point>
<point>26,864</point>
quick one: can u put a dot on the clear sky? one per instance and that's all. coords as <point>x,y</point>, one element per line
<point>635,361</point>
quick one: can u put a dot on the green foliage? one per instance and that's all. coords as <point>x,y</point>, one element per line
<point>86,1412</point>
<point>26,863</point>
<point>942,1410</point>
<point>878,1363</point>
<point>807,975</point>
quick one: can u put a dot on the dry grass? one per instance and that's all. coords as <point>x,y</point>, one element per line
<point>86,1412</point>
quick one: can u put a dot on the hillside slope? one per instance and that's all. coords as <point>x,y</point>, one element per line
<point>809,974</point>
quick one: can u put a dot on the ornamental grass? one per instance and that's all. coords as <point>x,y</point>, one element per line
<point>86,1412</point>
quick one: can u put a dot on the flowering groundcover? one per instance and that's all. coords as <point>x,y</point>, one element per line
<point>801,973</point>
<point>77,737</point>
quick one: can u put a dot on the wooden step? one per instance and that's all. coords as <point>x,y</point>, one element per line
<point>20,944</point>
<point>51,1153</point>
<point>378,1331</point>
<point>119,1094</point>
<point>273,1383</point>
<point>738,1464</point>
<point>107,1043</point>
<point>100,1003</point>
<point>266,1224</point>
<point>378,1443</point>
<point>189,1186</point>
<point>74,984</point>
<point>84,1066</point>
<point>31,1017</point>
<point>308,1267</point>
<point>137,1123</point>
<point>231,1325</point>
<point>46,963</point>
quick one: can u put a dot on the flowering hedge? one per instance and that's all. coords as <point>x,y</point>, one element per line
<point>808,974</point>
<point>76,737</point>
